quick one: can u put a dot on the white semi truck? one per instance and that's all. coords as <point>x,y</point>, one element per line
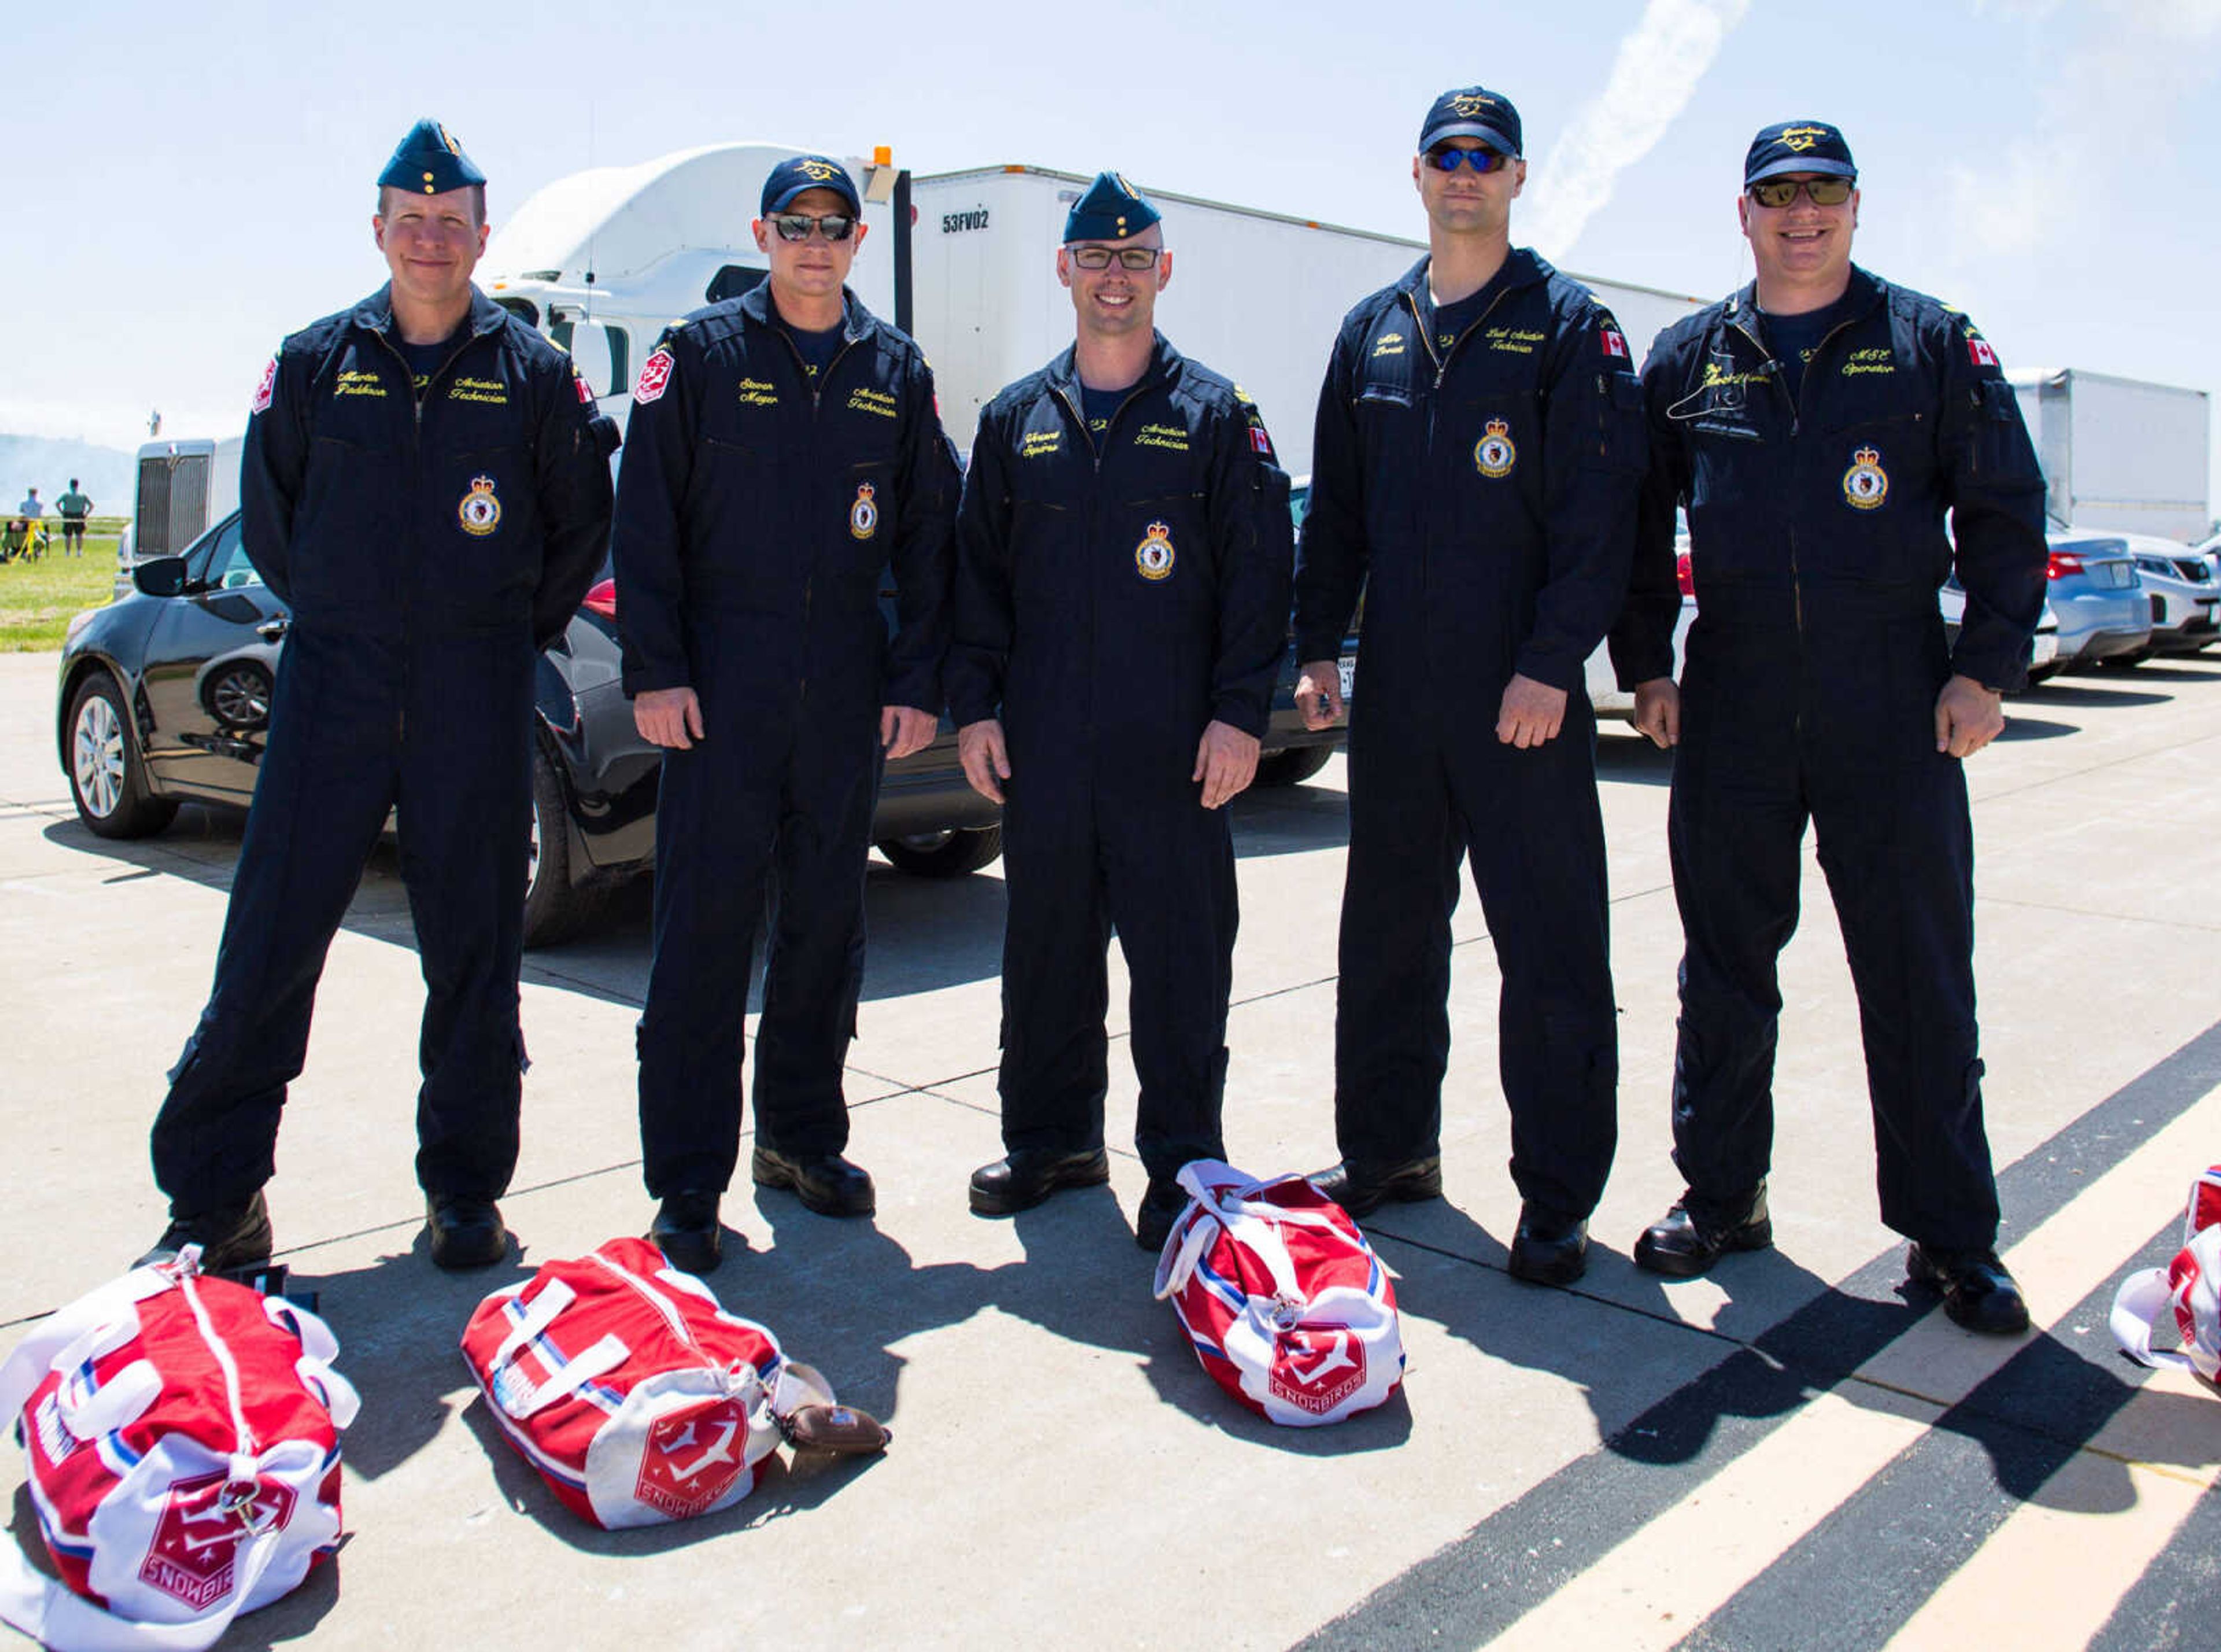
<point>965,262</point>
<point>2119,453</point>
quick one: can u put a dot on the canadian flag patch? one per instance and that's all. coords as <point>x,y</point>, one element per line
<point>266,389</point>
<point>654,375</point>
<point>1259,441</point>
<point>1615,342</point>
<point>1979,351</point>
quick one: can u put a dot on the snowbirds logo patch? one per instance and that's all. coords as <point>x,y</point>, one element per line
<point>1318,1368</point>
<point>1493,456</point>
<point>204,1523</point>
<point>863,515</point>
<point>479,513</point>
<point>654,374</point>
<point>267,389</point>
<point>1866,484</point>
<point>1154,556</point>
<point>692,1458</point>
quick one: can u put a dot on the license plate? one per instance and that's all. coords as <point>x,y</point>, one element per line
<point>1349,675</point>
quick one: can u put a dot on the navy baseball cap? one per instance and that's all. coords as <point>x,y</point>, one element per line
<point>1473,112</point>
<point>1798,147</point>
<point>791,178</point>
<point>429,161</point>
<point>1109,208</point>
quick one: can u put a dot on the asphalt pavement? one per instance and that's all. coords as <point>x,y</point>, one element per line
<point>1794,1452</point>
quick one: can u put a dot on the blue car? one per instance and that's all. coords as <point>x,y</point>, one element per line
<point>2099,599</point>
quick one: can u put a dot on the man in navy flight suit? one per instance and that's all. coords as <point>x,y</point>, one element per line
<point>1818,426</point>
<point>426,486</point>
<point>1480,446</point>
<point>1121,602</point>
<point>784,448</point>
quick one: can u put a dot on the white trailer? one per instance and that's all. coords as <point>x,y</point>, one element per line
<point>2119,453</point>
<point>964,261</point>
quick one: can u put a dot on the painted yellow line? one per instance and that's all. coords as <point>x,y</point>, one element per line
<point>2052,1574</point>
<point>1659,1584</point>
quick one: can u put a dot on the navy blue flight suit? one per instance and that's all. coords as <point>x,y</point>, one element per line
<point>427,544</point>
<point>1115,594</point>
<point>757,510</point>
<point>1817,544</point>
<point>1481,490</point>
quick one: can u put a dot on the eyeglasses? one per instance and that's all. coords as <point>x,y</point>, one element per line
<point>1447,158</point>
<point>1778,192</point>
<point>1132,258</point>
<point>796,226</point>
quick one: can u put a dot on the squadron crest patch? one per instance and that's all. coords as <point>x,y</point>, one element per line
<point>1154,556</point>
<point>266,389</point>
<point>1493,456</point>
<point>479,513</point>
<point>863,515</point>
<point>1866,484</point>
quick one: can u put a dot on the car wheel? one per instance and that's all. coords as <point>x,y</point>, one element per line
<point>108,781</point>
<point>1292,766</point>
<point>239,696</point>
<point>944,854</point>
<point>553,910</point>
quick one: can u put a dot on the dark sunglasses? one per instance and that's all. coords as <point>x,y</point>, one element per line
<point>1778,192</point>
<point>1447,159</point>
<point>796,226</point>
<point>1099,258</point>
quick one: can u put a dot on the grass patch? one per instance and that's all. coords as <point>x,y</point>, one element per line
<point>37,599</point>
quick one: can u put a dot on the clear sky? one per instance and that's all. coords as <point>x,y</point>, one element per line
<point>203,174</point>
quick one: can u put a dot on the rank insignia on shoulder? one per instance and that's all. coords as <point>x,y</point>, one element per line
<point>1866,484</point>
<point>864,515</point>
<point>266,389</point>
<point>479,513</point>
<point>1493,456</point>
<point>654,376</point>
<point>1154,556</point>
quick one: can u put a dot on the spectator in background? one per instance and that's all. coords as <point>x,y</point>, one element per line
<point>74,508</point>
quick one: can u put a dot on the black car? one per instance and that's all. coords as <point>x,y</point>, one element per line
<point>165,697</point>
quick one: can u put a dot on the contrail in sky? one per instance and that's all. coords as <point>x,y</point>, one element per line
<point>1653,78</point>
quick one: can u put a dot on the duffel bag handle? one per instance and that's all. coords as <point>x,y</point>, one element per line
<point>50,1614</point>
<point>1229,1198</point>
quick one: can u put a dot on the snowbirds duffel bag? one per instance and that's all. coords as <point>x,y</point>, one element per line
<point>636,1397</point>
<point>1287,1306</point>
<point>182,1433</point>
<point>2190,1286</point>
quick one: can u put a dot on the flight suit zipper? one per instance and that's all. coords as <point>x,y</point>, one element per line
<point>1095,494</point>
<point>815,383</point>
<point>416,475</point>
<point>1441,366</point>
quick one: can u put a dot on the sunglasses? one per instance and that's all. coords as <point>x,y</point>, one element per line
<point>796,226</point>
<point>1132,258</point>
<point>1449,159</point>
<point>1778,192</point>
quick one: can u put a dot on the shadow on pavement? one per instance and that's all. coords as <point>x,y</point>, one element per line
<point>2021,728</point>
<point>2087,694</point>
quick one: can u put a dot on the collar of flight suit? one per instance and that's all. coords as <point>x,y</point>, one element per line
<point>1523,268</point>
<point>1164,366</point>
<point>856,322</point>
<point>375,313</point>
<point>1742,314</point>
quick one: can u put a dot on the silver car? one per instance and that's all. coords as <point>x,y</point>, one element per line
<point>2096,592</point>
<point>2183,590</point>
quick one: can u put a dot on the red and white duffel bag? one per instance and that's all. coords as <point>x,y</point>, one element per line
<point>182,1434</point>
<point>1287,1306</point>
<point>2190,1286</point>
<point>637,1398</point>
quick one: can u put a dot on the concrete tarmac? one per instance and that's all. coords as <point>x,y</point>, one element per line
<point>1794,1452</point>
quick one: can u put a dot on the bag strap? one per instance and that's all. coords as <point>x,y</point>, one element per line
<point>2137,1306</point>
<point>52,1615</point>
<point>88,1316</point>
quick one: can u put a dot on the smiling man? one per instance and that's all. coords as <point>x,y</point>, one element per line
<point>784,449</point>
<point>1479,447</point>
<point>425,486</point>
<point>1818,427</point>
<point>1121,602</point>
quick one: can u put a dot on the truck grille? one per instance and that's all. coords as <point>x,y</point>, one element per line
<point>173,506</point>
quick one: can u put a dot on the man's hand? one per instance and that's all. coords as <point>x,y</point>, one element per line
<point>1225,761</point>
<point>1532,712</point>
<point>904,730</point>
<point>1319,694</point>
<point>986,761</point>
<point>1967,716</point>
<point>665,717</point>
<point>1658,711</point>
